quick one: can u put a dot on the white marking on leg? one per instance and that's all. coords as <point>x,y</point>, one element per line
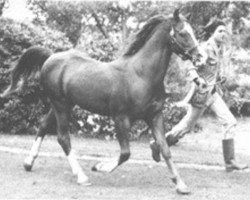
<point>181,187</point>
<point>34,151</point>
<point>77,170</point>
<point>106,166</point>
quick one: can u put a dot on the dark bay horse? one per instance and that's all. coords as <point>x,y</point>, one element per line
<point>128,89</point>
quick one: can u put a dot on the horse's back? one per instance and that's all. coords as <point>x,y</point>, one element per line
<point>60,64</point>
<point>70,57</point>
<point>79,79</point>
<point>103,88</point>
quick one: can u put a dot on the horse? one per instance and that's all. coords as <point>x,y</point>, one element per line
<point>127,89</point>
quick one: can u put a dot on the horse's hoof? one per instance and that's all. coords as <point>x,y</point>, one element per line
<point>183,190</point>
<point>83,180</point>
<point>94,168</point>
<point>181,187</point>
<point>28,163</point>
<point>84,183</point>
<point>27,167</point>
<point>171,140</point>
<point>106,167</point>
<point>155,151</point>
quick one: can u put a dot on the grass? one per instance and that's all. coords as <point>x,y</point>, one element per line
<point>203,147</point>
<point>52,178</point>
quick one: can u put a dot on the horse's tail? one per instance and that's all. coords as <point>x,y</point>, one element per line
<point>29,63</point>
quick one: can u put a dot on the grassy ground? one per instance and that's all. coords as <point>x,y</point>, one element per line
<point>203,147</point>
<point>52,179</point>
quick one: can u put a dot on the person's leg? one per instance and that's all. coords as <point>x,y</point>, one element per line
<point>184,126</point>
<point>229,122</point>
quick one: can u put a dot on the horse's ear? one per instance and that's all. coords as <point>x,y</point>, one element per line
<point>177,15</point>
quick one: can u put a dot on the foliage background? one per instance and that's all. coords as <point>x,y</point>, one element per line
<point>103,29</point>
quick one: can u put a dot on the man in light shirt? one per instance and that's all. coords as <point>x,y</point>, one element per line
<point>204,94</point>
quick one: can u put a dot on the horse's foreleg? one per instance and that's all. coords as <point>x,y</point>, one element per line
<point>46,125</point>
<point>64,140</point>
<point>122,127</point>
<point>158,132</point>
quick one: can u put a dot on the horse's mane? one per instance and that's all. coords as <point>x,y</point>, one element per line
<point>144,35</point>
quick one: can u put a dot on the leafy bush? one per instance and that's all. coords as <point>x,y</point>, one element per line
<point>22,111</point>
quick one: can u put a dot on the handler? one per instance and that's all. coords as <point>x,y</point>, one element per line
<point>205,94</point>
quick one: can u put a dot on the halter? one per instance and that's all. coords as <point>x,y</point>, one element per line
<point>181,51</point>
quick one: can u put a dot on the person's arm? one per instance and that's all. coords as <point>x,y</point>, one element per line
<point>207,50</point>
<point>197,81</point>
<point>194,76</point>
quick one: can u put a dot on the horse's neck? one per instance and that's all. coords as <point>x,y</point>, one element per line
<point>155,57</point>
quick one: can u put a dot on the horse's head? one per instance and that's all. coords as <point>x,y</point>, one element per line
<point>183,40</point>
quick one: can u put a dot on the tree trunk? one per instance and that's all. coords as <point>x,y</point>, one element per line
<point>2,4</point>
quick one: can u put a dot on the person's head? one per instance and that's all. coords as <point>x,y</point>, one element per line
<point>215,29</point>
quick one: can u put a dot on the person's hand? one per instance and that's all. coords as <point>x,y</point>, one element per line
<point>201,59</point>
<point>200,82</point>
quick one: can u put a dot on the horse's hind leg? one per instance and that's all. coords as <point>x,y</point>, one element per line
<point>123,126</point>
<point>48,124</point>
<point>62,117</point>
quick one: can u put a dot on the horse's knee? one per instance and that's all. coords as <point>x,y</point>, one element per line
<point>124,157</point>
<point>165,150</point>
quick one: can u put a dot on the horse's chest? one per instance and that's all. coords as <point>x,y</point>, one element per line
<point>155,105</point>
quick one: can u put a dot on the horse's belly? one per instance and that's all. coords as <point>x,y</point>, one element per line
<point>89,96</point>
<point>94,106</point>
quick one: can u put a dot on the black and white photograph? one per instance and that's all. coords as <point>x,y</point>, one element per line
<point>124,100</point>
